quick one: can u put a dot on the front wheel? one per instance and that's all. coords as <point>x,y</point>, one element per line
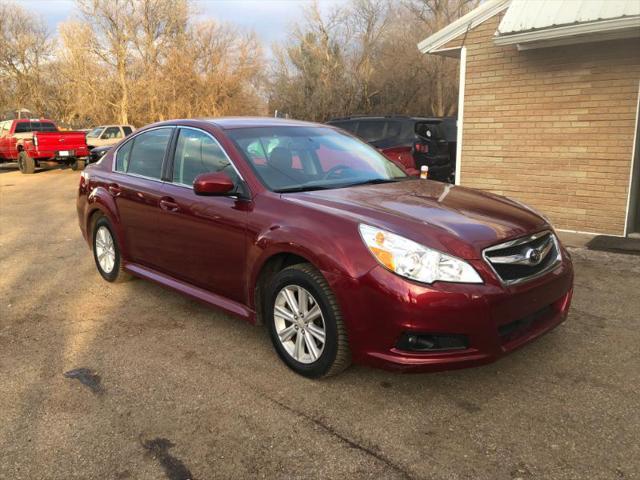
<point>26,164</point>
<point>306,324</point>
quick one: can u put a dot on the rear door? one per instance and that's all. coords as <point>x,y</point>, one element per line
<point>137,190</point>
<point>204,237</point>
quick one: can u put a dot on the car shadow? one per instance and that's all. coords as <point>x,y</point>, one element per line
<point>13,167</point>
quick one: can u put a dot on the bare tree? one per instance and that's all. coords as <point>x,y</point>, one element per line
<point>24,51</point>
<point>112,22</point>
<point>435,15</point>
<point>369,49</point>
<point>140,61</point>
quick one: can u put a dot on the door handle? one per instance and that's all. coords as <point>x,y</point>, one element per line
<point>169,204</point>
<point>114,189</point>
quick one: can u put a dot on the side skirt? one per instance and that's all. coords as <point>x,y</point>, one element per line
<point>229,306</point>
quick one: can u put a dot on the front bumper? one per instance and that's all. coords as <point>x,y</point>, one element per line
<point>381,308</point>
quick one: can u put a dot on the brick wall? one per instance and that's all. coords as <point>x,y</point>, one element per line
<point>552,127</point>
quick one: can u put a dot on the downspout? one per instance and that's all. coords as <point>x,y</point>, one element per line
<point>634,179</point>
<point>460,120</point>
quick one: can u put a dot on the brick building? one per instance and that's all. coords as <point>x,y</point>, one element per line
<point>548,107</point>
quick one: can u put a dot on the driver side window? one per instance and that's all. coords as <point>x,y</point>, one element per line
<point>197,153</point>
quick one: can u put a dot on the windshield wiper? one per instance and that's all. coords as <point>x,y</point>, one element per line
<point>302,188</point>
<point>309,188</point>
<point>373,181</point>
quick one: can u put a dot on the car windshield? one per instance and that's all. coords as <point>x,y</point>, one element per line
<point>95,133</point>
<point>291,159</point>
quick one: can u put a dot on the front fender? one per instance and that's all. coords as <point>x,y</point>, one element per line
<point>331,254</point>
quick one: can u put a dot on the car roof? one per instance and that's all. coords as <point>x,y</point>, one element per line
<point>227,123</point>
<point>386,117</point>
<point>232,123</point>
<point>31,120</point>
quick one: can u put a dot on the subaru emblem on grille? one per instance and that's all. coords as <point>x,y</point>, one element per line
<point>533,255</point>
<point>538,254</point>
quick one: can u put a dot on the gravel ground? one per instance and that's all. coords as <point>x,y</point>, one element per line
<point>158,386</point>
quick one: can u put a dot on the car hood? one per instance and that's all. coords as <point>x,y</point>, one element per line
<point>454,219</point>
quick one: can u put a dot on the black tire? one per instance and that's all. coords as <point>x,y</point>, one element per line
<point>26,164</point>
<point>335,356</point>
<point>78,165</point>
<point>116,274</point>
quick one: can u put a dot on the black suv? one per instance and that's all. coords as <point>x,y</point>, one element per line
<point>410,141</point>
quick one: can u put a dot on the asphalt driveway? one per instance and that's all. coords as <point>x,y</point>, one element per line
<point>159,386</point>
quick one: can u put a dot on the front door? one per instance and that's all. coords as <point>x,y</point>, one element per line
<point>204,237</point>
<point>137,192</point>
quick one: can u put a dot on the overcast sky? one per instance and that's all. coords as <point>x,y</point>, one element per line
<point>268,18</point>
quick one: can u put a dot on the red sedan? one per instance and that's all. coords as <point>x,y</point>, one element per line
<point>306,229</point>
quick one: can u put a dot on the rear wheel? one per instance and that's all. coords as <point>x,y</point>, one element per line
<point>106,252</point>
<point>306,324</point>
<point>26,164</point>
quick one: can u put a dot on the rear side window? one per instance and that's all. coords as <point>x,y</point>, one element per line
<point>196,153</point>
<point>393,129</point>
<point>111,132</point>
<point>45,127</point>
<point>148,152</point>
<point>122,157</point>
<point>25,127</point>
<point>371,130</point>
<point>349,126</point>
<point>127,131</point>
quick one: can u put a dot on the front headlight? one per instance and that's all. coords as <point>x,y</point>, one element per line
<point>414,261</point>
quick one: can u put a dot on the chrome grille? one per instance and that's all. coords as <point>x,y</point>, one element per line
<point>525,258</point>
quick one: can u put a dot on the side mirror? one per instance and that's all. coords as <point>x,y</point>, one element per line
<point>211,184</point>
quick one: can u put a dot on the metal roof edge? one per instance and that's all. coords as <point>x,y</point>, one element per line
<point>471,20</point>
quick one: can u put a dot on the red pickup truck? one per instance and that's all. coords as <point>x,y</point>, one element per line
<point>38,143</point>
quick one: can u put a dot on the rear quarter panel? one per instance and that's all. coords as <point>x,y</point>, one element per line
<point>94,197</point>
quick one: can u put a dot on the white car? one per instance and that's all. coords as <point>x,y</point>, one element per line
<point>108,135</point>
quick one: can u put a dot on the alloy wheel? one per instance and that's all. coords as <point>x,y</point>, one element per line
<point>105,249</point>
<point>299,324</point>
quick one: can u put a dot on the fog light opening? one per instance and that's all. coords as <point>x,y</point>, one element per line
<point>427,342</point>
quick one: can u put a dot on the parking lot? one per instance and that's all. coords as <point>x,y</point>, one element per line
<point>176,390</point>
